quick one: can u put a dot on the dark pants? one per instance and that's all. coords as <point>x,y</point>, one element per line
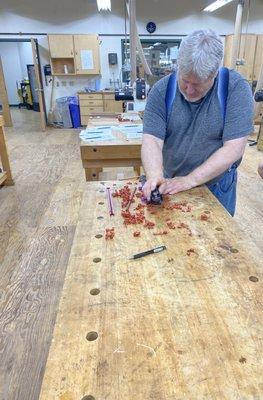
<point>225,189</point>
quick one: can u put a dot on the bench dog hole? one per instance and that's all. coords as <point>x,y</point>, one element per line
<point>89,397</point>
<point>101,203</point>
<point>92,336</point>
<point>95,292</point>
<point>98,236</point>
<point>219,229</point>
<point>253,279</point>
<point>233,250</point>
<point>100,217</point>
<point>96,259</point>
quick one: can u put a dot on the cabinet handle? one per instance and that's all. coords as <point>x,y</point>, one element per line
<point>76,53</point>
<point>71,52</point>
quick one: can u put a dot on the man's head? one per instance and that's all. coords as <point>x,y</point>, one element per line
<point>199,59</point>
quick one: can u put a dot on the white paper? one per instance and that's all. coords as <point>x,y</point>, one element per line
<point>95,134</point>
<point>86,57</point>
<point>174,52</point>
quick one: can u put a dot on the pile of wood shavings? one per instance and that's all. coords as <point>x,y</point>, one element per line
<point>137,215</point>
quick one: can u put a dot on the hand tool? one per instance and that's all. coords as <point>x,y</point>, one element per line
<point>109,201</point>
<point>156,197</point>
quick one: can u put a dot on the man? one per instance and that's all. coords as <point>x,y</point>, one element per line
<point>195,145</point>
<point>260,169</point>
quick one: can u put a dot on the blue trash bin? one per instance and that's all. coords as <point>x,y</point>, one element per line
<point>73,103</point>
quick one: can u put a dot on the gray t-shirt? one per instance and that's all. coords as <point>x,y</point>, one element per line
<point>195,130</point>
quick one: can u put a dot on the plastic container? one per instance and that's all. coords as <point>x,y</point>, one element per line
<point>74,109</point>
<point>62,113</point>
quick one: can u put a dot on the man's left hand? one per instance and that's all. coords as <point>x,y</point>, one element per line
<point>176,185</point>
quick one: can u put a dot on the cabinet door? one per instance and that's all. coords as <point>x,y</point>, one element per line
<point>247,52</point>
<point>87,56</point>
<point>61,46</point>
<point>113,106</point>
<point>258,58</point>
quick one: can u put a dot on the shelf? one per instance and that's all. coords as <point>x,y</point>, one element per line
<point>58,66</point>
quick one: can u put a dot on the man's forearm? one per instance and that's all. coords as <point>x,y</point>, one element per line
<point>152,157</point>
<point>217,163</point>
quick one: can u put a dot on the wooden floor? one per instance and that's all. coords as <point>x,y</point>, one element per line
<point>38,220</point>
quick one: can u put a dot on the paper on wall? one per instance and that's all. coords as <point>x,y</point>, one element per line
<point>86,57</point>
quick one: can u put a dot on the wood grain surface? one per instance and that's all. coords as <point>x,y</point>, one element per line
<point>182,324</point>
<point>46,199</point>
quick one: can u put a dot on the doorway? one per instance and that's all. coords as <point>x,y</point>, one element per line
<point>21,66</point>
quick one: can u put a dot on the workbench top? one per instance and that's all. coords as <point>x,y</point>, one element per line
<point>185,323</point>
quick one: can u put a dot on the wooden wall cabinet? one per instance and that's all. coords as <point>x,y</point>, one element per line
<point>251,50</point>
<point>87,57</point>
<point>74,54</point>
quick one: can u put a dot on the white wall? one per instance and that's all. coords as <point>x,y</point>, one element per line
<point>12,69</point>
<point>26,56</point>
<point>81,16</point>
<point>15,57</point>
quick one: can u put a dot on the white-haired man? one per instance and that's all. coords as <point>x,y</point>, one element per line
<point>195,144</point>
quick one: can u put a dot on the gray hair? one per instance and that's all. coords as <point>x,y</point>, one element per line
<point>200,53</point>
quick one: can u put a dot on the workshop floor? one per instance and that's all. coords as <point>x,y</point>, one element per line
<point>45,201</point>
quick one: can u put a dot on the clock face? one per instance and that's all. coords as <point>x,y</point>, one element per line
<point>151,27</point>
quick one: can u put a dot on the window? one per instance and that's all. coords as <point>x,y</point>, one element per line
<point>161,55</point>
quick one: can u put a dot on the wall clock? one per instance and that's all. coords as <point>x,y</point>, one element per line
<point>151,27</point>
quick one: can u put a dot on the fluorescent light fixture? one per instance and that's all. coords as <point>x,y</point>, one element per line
<point>104,5</point>
<point>216,4</point>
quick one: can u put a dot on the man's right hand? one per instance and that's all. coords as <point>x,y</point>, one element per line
<point>150,185</point>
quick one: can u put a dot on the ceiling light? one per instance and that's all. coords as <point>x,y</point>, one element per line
<point>215,5</point>
<point>104,5</point>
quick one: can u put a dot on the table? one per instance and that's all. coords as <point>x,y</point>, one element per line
<point>182,324</point>
<point>102,154</point>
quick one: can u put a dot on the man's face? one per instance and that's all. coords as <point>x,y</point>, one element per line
<point>192,88</point>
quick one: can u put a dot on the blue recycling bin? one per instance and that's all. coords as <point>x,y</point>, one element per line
<point>73,103</point>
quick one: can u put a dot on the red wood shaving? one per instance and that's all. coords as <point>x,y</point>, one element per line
<point>109,233</point>
<point>182,225</point>
<point>204,217</point>
<point>182,206</point>
<point>170,225</point>
<point>149,224</point>
<point>160,233</point>
<point>136,234</point>
<point>185,226</point>
<point>132,219</point>
<point>190,251</point>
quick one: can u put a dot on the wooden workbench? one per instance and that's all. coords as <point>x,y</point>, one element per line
<point>121,152</point>
<point>174,325</point>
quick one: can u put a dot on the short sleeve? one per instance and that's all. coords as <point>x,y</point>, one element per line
<point>239,112</point>
<point>154,119</point>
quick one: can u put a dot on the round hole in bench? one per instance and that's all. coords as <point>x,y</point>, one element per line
<point>95,291</point>
<point>253,279</point>
<point>91,336</point>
